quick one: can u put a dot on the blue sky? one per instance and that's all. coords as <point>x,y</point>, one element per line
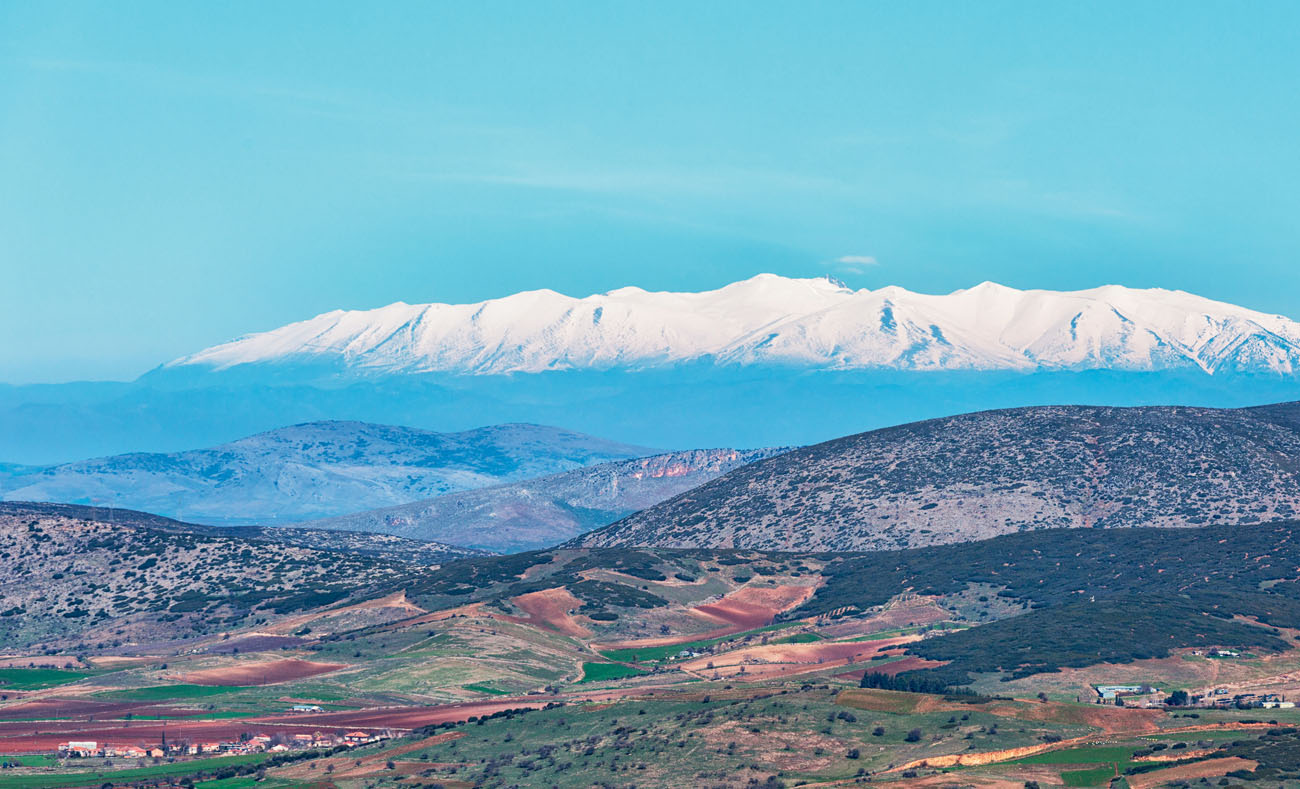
<point>175,174</point>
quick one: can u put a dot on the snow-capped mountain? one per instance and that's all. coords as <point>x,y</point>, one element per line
<point>770,319</point>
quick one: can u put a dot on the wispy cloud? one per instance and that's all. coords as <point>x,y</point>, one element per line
<point>853,264</point>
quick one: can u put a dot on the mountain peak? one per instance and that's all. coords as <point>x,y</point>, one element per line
<point>771,319</point>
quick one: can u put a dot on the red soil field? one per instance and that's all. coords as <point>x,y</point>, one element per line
<point>47,708</point>
<point>42,661</point>
<point>895,668</point>
<point>745,609</point>
<point>550,608</point>
<point>778,660</point>
<point>906,664</point>
<point>755,606</point>
<point>666,641</point>
<point>260,673</point>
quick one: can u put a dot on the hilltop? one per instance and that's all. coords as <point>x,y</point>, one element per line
<point>78,578</point>
<point>979,475</point>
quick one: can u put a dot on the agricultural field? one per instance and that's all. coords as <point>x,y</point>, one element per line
<point>574,668</point>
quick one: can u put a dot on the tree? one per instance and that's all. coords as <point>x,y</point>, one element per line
<point>1177,699</point>
<point>879,731</point>
<point>853,753</point>
<point>913,736</point>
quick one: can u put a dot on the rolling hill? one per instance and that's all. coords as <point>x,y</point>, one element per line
<point>314,470</point>
<point>87,578</point>
<point>980,475</point>
<point>540,512</point>
<point>386,546</point>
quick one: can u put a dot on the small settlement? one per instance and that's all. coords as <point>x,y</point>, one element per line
<point>247,743</point>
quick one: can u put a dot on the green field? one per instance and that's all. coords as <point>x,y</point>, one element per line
<point>37,678</point>
<point>122,776</point>
<point>166,692</point>
<point>597,672</point>
<point>31,760</point>
<point>240,782</point>
<point>479,687</point>
<point>798,638</point>
<point>1096,776</point>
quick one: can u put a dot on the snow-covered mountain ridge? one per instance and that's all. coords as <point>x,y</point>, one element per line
<point>770,319</point>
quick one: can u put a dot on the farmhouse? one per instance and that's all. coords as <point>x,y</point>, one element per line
<point>79,748</point>
<point>1109,692</point>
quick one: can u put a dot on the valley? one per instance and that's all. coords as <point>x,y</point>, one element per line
<point>648,666</point>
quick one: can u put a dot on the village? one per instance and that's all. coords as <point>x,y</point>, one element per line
<point>1219,698</point>
<point>248,743</point>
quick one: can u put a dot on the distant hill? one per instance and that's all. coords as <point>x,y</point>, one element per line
<point>100,578</point>
<point>540,512</point>
<point>386,546</point>
<point>314,470</point>
<point>79,580</point>
<point>980,475</point>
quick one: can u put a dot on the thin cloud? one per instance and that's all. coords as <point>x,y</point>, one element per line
<point>857,260</point>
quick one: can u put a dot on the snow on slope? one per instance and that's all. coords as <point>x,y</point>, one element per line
<point>772,319</point>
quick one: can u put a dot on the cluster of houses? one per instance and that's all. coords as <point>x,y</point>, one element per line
<point>257,743</point>
<point>1222,699</point>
